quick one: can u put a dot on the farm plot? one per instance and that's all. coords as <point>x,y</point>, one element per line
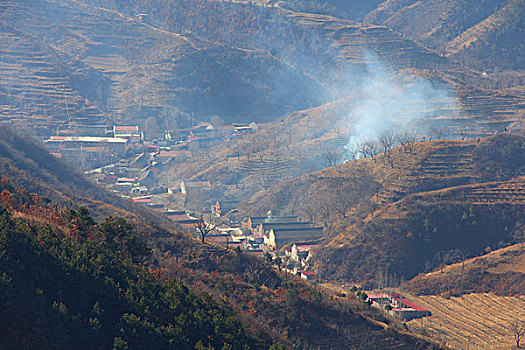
<point>473,321</point>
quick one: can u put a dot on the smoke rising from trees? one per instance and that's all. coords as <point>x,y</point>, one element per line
<point>390,103</point>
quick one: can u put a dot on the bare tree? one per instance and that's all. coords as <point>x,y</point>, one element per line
<point>438,132</point>
<point>517,327</point>
<point>275,149</point>
<point>372,148</point>
<point>326,217</point>
<point>384,279</point>
<point>343,204</point>
<point>361,149</point>
<point>331,156</point>
<point>367,148</point>
<point>204,229</point>
<point>171,117</point>
<point>407,140</point>
<point>151,127</point>
<point>387,141</point>
<point>257,147</point>
<point>308,210</point>
<point>348,194</point>
<point>350,154</point>
<point>308,206</point>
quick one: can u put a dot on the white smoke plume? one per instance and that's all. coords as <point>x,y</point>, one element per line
<point>386,102</point>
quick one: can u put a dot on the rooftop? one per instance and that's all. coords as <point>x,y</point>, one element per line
<point>168,154</point>
<point>308,273</point>
<point>142,200</point>
<point>409,304</point>
<point>126,128</point>
<point>87,139</point>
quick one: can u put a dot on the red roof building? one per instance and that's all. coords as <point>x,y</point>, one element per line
<point>152,148</point>
<point>401,307</point>
<point>307,275</point>
<point>407,303</point>
<point>142,200</point>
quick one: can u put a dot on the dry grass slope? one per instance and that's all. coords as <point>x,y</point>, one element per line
<point>473,321</point>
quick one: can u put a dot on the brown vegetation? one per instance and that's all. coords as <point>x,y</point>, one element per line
<point>276,306</point>
<point>472,321</point>
<point>501,272</point>
<point>430,208</point>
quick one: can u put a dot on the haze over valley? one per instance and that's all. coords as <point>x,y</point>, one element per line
<point>208,174</point>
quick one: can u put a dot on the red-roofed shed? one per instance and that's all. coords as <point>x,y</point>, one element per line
<point>142,200</point>
<point>307,275</point>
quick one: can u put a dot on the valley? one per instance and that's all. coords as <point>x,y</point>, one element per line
<point>237,157</point>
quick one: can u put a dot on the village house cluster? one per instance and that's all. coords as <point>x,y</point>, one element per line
<point>282,237</point>
<point>93,146</point>
<point>286,239</point>
<point>131,162</point>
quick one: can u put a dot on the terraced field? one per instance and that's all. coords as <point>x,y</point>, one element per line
<point>66,59</point>
<point>479,107</point>
<point>32,83</point>
<point>503,192</point>
<point>473,321</point>
<point>63,61</point>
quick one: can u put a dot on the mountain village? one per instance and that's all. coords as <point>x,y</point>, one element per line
<point>126,162</point>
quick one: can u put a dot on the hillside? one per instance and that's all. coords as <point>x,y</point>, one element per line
<point>473,321</point>
<point>67,282</point>
<point>378,73</point>
<point>501,271</point>
<point>271,306</point>
<point>395,125</point>
<point>486,36</point>
<point>411,213</point>
<point>416,167</point>
<point>29,165</point>
<point>61,66</point>
<point>67,61</point>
